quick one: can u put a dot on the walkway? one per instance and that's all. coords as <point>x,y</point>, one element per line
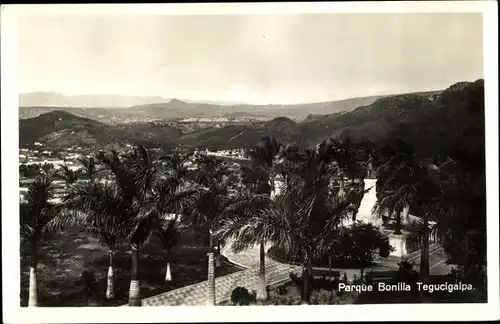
<point>196,295</point>
<point>276,272</point>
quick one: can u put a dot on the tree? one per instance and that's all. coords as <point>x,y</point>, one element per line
<point>362,242</point>
<point>68,175</point>
<point>169,237</point>
<point>29,170</point>
<point>148,197</point>
<point>89,167</point>
<point>408,181</point>
<point>260,180</point>
<point>344,156</point>
<point>461,221</point>
<point>47,168</point>
<point>130,206</point>
<point>301,219</point>
<point>98,208</point>
<point>35,213</point>
<point>216,196</point>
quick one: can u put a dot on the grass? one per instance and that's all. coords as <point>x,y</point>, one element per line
<point>63,257</point>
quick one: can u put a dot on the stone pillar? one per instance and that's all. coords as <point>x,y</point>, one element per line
<point>211,280</point>
<point>398,242</point>
<point>168,275</point>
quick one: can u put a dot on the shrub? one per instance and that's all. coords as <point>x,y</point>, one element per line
<point>324,297</point>
<point>89,282</point>
<point>281,300</point>
<point>240,296</point>
<point>406,274</point>
<point>282,290</point>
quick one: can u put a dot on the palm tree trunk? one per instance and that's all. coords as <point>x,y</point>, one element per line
<point>134,295</point>
<point>33,289</point>
<point>424,256</point>
<point>211,279</point>
<point>307,278</point>
<point>305,281</point>
<point>110,290</point>
<point>330,267</point>
<point>262,291</point>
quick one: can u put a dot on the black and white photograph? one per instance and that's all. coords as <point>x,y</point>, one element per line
<point>212,155</point>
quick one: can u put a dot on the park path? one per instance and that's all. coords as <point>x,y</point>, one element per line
<point>276,272</point>
<point>197,294</point>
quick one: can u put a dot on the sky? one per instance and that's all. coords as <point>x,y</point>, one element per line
<point>261,59</point>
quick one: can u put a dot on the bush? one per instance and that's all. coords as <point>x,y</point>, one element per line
<point>406,274</point>
<point>281,300</point>
<point>88,278</point>
<point>324,297</point>
<point>240,296</point>
<point>282,290</point>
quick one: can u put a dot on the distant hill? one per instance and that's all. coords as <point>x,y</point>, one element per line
<point>237,136</point>
<point>93,113</point>
<point>439,121</point>
<point>53,99</point>
<point>32,104</point>
<point>60,129</point>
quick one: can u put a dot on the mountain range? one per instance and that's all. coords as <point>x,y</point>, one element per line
<point>54,99</point>
<point>452,119</point>
<point>437,121</point>
<point>110,107</point>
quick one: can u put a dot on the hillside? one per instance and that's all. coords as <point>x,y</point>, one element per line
<point>237,136</point>
<point>92,113</point>
<point>439,122</point>
<point>436,121</point>
<point>60,129</point>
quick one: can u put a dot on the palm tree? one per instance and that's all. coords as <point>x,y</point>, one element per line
<point>35,213</point>
<point>216,197</point>
<point>408,181</point>
<point>260,180</point>
<point>461,219</point>
<point>301,219</point>
<point>169,237</point>
<point>149,197</point>
<point>97,208</point>
<point>344,157</point>
<point>89,167</point>
<point>68,175</point>
<point>131,205</point>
